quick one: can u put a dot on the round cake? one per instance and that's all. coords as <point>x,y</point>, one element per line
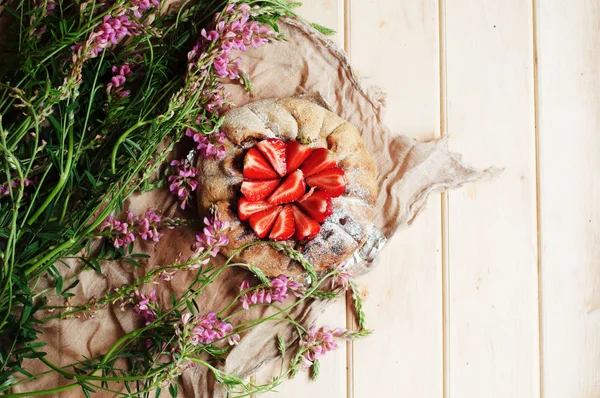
<point>293,172</point>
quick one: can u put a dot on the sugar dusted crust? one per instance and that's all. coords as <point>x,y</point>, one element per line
<point>292,119</point>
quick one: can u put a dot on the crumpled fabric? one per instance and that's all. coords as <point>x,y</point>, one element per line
<point>408,172</point>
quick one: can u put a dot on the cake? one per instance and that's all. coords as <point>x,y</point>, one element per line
<point>295,173</point>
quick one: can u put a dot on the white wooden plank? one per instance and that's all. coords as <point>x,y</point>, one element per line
<point>492,249</point>
<point>332,381</point>
<point>568,40</point>
<point>394,45</point>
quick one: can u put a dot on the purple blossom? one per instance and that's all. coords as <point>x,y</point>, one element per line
<point>121,73</point>
<point>5,189</point>
<point>143,5</point>
<point>125,232</point>
<point>145,305</point>
<point>112,30</point>
<point>50,6</point>
<point>216,99</point>
<point>212,237</point>
<point>234,32</point>
<point>183,181</point>
<point>319,342</point>
<point>209,145</point>
<point>278,291</point>
<point>341,278</point>
<point>205,329</point>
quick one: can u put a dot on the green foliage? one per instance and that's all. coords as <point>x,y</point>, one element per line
<point>71,154</point>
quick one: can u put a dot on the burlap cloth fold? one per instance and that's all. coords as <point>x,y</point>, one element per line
<point>408,172</point>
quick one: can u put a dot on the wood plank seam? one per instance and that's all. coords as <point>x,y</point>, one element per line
<point>538,196</point>
<point>444,210</point>
<point>350,318</point>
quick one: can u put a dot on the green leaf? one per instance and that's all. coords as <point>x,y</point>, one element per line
<point>281,344</point>
<point>91,179</point>
<point>173,389</point>
<point>323,29</point>
<point>59,284</point>
<point>324,295</point>
<point>25,314</point>
<point>316,370</point>
<point>259,274</point>
<point>358,307</point>
<point>71,286</point>
<point>34,355</point>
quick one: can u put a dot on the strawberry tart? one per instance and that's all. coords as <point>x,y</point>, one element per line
<point>295,173</point>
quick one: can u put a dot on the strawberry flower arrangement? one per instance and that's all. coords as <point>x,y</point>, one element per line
<point>95,96</point>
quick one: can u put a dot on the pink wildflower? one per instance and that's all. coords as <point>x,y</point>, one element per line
<point>143,5</point>
<point>212,236</point>
<point>234,32</point>
<point>123,233</point>
<point>183,181</point>
<point>5,190</point>
<point>205,329</point>
<point>50,6</point>
<point>112,31</point>
<point>216,99</point>
<point>145,305</point>
<point>278,291</point>
<point>210,145</point>
<point>121,74</point>
<point>341,278</point>
<point>319,342</point>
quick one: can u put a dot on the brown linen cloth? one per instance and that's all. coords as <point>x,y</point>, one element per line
<point>408,172</point>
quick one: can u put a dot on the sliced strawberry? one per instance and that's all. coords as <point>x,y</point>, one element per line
<point>320,159</point>
<point>331,181</point>
<point>274,151</point>
<point>306,227</point>
<point>263,221</point>
<point>318,205</point>
<point>247,208</point>
<point>255,190</point>
<point>295,155</point>
<point>257,167</point>
<point>292,187</point>
<point>284,225</point>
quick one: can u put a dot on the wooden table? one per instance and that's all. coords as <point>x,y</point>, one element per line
<point>495,290</point>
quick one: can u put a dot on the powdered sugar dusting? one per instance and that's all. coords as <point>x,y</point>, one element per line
<point>330,247</point>
<point>351,215</point>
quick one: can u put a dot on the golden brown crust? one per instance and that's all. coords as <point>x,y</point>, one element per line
<point>293,118</point>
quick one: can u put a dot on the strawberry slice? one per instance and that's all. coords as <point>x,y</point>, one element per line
<point>292,187</point>
<point>295,155</point>
<point>284,225</point>
<point>257,167</point>
<point>247,208</point>
<point>318,205</point>
<point>274,151</point>
<point>331,181</point>
<point>306,227</point>
<point>255,190</point>
<point>320,159</point>
<point>263,221</point>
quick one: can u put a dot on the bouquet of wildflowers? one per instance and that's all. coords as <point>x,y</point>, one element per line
<point>94,96</point>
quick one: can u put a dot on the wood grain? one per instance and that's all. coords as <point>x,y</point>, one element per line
<point>492,244</point>
<point>394,45</point>
<point>495,290</point>
<point>569,161</point>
